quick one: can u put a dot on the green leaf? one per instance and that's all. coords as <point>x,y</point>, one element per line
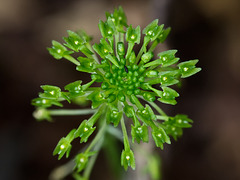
<point>84,131</point>
<point>188,68</point>
<point>127,159</point>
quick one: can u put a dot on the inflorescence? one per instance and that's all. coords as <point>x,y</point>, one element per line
<point>125,77</point>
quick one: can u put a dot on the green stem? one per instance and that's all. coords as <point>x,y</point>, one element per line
<point>164,118</point>
<point>98,137</point>
<point>96,145</point>
<point>129,50</point>
<point>137,102</point>
<point>125,136</point>
<point>155,106</point>
<point>122,37</point>
<point>116,42</point>
<point>91,162</point>
<point>94,54</point>
<point>158,109</point>
<point>139,54</point>
<point>153,46</point>
<point>92,120</point>
<point>70,112</point>
<point>143,48</point>
<point>86,86</point>
<point>115,132</point>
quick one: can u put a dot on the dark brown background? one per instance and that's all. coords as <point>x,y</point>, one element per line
<point>203,29</point>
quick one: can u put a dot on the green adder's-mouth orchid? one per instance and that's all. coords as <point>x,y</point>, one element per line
<point>124,87</point>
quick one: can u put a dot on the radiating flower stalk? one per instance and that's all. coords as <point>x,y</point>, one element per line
<point>130,84</point>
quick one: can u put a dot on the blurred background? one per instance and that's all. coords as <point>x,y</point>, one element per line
<point>201,29</point>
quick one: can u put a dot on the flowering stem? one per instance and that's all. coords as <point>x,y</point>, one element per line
<point>155,106</point>
<point>70,112</point>
<point>91,162</point>
<point>94,54</point>
<point>92,120</point>
<point>125,136</point>
<point>115,132</point>
<point>122,37</point>
<point>165,118</point>
<point>86,86</point>
<point>98,137</point>
<point>153,46</point>
<point>116,42</point>
<point>129,50</point>
<point>143,48</point>
<point>159,110</point>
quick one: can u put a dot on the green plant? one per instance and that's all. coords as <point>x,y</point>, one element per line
<point>127,93</point>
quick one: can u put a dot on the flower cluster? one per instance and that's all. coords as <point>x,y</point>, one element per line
<point>129,84</point>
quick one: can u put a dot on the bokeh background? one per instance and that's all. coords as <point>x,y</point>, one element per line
<point>205,29</point>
